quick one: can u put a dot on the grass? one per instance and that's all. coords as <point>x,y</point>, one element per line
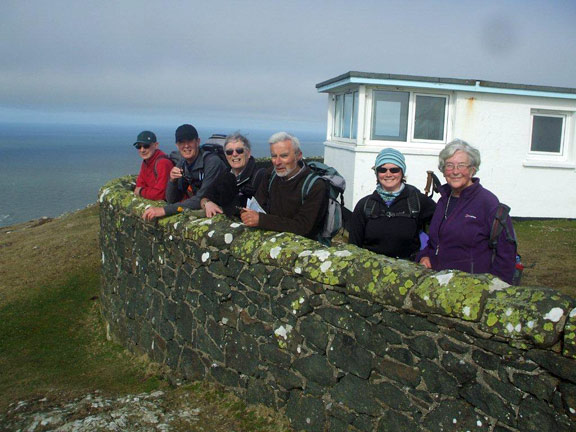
<point>52,338</point>
<point>548,250</point>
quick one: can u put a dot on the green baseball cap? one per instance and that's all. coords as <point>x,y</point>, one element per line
<point>146,137</point>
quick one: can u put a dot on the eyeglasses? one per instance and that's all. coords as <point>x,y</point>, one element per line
<point>230,152</point>
<point>460,166</point>
<point>140,145</point>
<point>384,170</point>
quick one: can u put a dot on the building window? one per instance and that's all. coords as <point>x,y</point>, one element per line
<point>429,117</point>
<point>547,133</point>
<point>390,115</point>
<point>346,115</point>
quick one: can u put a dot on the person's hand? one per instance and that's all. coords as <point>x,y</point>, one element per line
<point>212,209</point>
<point>175,174</point>
<point>250,217</point>
<point>152,213</point>
<point>137,190</point>
<point>425,261</point>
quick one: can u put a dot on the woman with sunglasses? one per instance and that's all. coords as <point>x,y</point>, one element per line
<point>389,221</point>
<point>460,229</point>
<point>229,193</point>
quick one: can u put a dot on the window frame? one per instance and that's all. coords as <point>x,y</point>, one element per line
<point>373,136</point>
<point>413,121</point>
<point>339,122</point>
<point>553,114</point>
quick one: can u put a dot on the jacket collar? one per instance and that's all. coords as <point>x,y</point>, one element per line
<point>446,190</point>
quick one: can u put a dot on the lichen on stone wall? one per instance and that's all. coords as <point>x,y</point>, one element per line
<point>535,314</point>
<point>379,277</point>
<point>453,293</point>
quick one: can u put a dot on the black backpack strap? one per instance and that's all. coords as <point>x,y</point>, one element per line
<point>369,207</point>
<point>413,203</point>
<point>498,225</point>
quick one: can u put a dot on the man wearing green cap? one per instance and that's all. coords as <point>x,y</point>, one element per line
<point>155,169</point>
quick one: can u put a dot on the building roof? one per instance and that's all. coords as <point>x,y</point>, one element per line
<point>473,85</point>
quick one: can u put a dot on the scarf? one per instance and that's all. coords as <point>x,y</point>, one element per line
<point>388,197</point>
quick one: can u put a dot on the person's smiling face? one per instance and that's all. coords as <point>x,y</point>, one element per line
<point>389,176</point>
<point>146,151</point>
<point>458,172</point>
<point>189,149</point>
<point>237,155</point>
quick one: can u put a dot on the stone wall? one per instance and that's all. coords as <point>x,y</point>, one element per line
<point>337,338</point>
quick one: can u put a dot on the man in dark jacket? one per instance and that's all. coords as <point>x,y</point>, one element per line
<point>155,169</point>
<point>280,193</point>
<point>190,178</point>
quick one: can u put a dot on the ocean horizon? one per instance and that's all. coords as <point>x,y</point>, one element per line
<point>47,170</point>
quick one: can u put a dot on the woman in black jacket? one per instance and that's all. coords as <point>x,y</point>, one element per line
<point>232,188</point>
<point>390,220</point>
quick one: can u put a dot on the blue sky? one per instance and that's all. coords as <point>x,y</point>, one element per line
<point>255,64</point>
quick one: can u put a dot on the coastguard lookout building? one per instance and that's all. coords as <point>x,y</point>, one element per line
<point>526,134</point>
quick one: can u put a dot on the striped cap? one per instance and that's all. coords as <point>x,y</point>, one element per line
<point>393,156</point>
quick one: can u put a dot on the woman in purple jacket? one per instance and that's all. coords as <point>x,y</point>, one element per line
<point>460,228</point>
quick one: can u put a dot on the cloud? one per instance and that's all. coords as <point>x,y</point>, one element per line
<point>260,60</point>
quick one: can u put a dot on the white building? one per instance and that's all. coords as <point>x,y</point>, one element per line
<point>526,134</point>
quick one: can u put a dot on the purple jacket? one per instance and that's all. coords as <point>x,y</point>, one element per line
<point>461,241</point>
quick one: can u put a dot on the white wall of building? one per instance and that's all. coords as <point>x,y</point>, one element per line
<point>499,125</point>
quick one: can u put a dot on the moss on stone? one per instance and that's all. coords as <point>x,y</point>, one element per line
<point>383,279</point>
<point>282,249</point>
<point>569,346</point>
<point>530,313</point>
<point>453,293</point>
<point>327,265</point>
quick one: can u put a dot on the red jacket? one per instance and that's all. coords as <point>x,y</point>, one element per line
<point>154,184</point>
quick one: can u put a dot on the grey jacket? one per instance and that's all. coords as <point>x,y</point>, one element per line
<point>189,190</point>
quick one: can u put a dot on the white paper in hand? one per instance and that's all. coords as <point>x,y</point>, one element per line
<point>252,204</point>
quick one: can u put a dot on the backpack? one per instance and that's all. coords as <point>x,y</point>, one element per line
<point>499,224</point>
<point>332,218</point>
<point>215,144</point>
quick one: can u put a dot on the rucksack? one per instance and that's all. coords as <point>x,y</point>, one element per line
<point>499,224</point>
<point>332,218</point>
<point>215,144</point>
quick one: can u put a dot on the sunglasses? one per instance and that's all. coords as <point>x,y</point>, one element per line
<point>140,145</point>
<point>383,170</point>
<point>230,152</point>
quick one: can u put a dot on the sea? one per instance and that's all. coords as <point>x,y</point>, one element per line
<point>47,170</point>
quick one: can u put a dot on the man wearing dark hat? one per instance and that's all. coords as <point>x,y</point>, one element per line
<point>191,177</point>
<point>155,169</point>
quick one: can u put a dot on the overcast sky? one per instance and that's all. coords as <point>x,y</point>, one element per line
<point>249,64</point>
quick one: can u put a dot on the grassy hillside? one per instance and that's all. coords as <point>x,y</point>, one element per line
<point>52,340</point>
